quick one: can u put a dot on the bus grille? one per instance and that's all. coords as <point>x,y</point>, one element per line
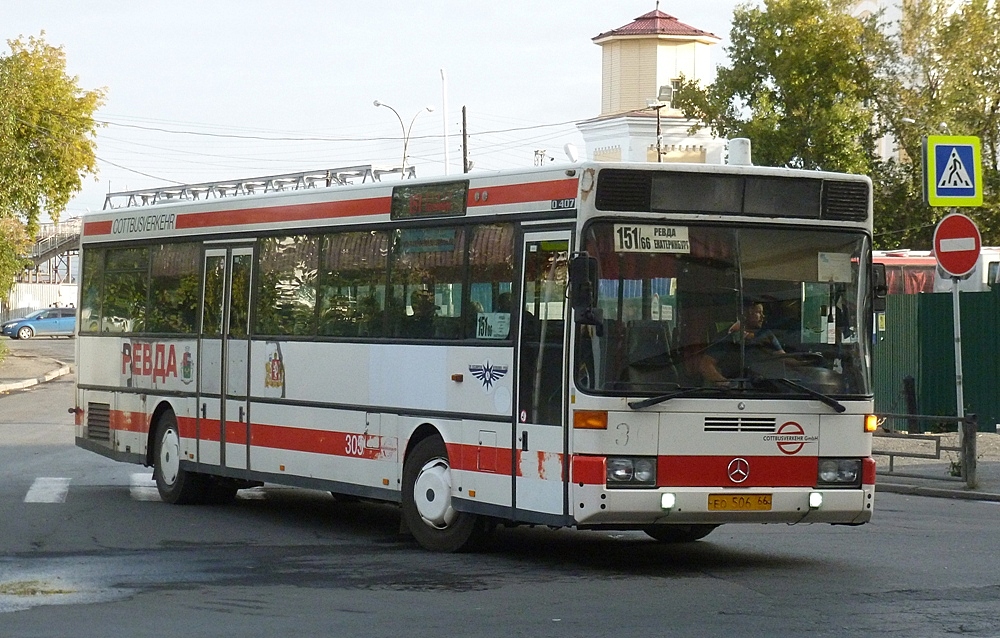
<point>739,424</point>
<point>99,421</point>
<point>845,200</point>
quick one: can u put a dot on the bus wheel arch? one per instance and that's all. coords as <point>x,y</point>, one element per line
<point>427,509</point>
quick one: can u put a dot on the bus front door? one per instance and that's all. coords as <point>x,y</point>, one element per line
<point>539,434</point>
<point>224,426</point>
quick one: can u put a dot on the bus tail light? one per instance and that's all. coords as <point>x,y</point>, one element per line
<point>871,423</point>
<point>590,419</point>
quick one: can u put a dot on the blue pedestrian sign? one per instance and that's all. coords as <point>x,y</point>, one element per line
<point>953,171</point>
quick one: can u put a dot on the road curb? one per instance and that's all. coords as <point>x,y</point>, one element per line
<point>939,492</point>
<point>60,371</point>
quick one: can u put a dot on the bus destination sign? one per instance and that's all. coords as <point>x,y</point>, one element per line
<point>637,238</point>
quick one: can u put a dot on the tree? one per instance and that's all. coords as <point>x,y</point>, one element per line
<point>46,132</point>
<point>803,83</point>
<point>13,243</point>
<point>948,84</point>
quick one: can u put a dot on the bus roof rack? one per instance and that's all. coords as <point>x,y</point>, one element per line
<point>251,185</point>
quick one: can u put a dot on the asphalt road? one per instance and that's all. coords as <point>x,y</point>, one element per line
<point>107,558</point>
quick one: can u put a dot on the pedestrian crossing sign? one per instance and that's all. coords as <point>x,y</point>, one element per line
<point>953,171</point>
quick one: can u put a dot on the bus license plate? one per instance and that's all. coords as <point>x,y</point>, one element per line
<point>739,502</point>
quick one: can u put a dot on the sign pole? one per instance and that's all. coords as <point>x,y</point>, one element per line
<point>953,176</point>
<point>957,319</point>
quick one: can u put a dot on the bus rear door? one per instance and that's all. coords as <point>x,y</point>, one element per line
<point>224,348</point>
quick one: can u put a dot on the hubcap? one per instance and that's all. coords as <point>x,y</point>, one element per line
<point>170,461</point>
<point>432,493</point>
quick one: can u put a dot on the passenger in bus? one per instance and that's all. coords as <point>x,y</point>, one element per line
<point>721,361</point>
<point>420,325</point>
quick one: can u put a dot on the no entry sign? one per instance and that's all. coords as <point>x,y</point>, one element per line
<point>956,244</point>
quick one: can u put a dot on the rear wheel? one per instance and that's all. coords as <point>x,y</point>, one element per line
<point>427,504</point>
<point>679,533</point>
<point>174,483</point>
<point>25,332</point>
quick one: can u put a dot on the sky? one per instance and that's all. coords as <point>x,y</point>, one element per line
<point>200,91</point>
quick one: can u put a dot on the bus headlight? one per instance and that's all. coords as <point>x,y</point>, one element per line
<point>839,472</point>
<point>631,471</point>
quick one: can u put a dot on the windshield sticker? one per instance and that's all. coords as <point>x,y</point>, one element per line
<point>835,267</point>
<point>651,239</point>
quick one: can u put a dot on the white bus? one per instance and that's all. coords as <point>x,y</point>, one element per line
<point>361,339</point>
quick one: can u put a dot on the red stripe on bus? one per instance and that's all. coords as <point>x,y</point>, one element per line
<point>97,228</point>
<point>479,458</point>
<point>522,193</point>
<point>128,421</point>
<point>315,441</point>
<point>714,471</point>
<point>589,470</point>
<point>275,214</point>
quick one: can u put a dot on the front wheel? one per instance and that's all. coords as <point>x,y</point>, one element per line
<point>25,332</point>
<point>175,484</point>
<point>427,504</point>
<point>679,533</point>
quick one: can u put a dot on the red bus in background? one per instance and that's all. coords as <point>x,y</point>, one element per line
<point>907,271</point>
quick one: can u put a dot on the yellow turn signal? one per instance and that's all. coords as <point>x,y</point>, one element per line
<point>590,419</point>
<point>871,423</point>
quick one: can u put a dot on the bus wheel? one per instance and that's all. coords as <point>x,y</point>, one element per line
<point>175,484</point>
<point>679,533</point>
<point>427,507</point>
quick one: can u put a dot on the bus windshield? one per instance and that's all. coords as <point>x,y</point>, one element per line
<point>764,310</point>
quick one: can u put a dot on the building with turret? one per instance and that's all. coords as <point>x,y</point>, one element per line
<point>642,64</point>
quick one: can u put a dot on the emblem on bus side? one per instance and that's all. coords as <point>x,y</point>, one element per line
<point>274,368</point>
<point>488,373</point>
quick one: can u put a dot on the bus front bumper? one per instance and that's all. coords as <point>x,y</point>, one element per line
<point>597,505</point>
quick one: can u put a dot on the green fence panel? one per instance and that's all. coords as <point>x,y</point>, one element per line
<point>918,341</point>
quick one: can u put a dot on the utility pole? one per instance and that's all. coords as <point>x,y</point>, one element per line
<point>465,144</point>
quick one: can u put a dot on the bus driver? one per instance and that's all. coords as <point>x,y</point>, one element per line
<point>721,361</point>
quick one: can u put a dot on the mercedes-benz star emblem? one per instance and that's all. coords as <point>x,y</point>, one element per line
<point>739,470</point>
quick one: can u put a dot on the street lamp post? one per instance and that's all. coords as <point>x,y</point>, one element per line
<point>406,129</point>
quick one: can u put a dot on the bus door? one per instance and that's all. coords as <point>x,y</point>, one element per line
<point>540,443</point>
<point>224,355</point>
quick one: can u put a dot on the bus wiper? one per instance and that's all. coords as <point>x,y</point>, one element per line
<point>830,401</point>
<point>684,392</point>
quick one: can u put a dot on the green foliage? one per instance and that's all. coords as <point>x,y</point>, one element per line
<point>13,243</point>
<point>813,87</point>
<point>46,131</point>
<point>802,84</point>
<point>944,88</point>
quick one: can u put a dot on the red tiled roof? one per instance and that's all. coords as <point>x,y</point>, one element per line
<point>656,23</point>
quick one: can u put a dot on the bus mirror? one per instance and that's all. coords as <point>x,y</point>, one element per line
<point>879,287</point>
<point>583,289</point>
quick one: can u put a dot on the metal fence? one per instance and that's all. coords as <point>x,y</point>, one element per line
<point>26,298</point>
<point>968,430</point>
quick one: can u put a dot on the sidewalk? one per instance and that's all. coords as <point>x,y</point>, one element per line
<point>18,371</point>
<point>987,476</point>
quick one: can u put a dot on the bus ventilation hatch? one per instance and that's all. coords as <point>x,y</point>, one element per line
<point>99,421</point>
<point>845,200</point>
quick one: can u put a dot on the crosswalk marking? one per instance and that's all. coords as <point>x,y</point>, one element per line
<point>141,487</point>
<point>48,490</point>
